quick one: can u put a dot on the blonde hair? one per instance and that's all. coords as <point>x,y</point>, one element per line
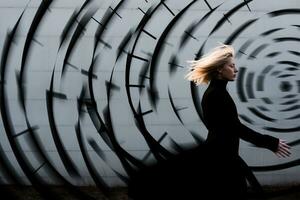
<point>204,69</point>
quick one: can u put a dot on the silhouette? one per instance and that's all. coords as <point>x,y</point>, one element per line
<point>214,168</point>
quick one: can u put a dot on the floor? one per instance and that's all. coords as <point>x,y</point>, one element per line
<point>29,193</point>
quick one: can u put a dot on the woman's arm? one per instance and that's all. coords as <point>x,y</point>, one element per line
<point>221,115</point>
<point>258,139</point>
<point>278,146</point>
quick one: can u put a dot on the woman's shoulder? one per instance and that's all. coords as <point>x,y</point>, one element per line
<point>213,93</point>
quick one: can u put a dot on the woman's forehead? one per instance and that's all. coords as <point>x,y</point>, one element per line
<point>230,60</point>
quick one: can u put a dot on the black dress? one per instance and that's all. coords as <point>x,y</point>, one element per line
<point>225,130</point>
<point>209,170</point>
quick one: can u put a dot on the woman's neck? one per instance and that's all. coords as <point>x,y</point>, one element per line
<point>221,83</point>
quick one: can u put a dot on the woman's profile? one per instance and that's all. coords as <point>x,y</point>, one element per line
<point>221,119</point>
<point>213,168</point>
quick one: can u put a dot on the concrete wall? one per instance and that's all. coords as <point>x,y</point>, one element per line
<point>266,92</point>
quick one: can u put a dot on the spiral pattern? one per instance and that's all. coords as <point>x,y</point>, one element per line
<point>108,95</point>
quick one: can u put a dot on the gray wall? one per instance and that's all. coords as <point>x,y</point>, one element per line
<point>44,59</point>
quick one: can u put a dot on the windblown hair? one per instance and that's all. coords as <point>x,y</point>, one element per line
<point>204,69</point>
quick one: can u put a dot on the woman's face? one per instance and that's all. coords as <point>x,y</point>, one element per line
<point>228,71</point>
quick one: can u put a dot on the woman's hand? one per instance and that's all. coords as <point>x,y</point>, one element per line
<point>283,149</point>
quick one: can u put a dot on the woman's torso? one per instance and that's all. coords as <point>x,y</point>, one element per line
<point>220,117</point>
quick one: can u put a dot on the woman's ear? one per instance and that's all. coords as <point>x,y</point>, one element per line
<point>219,69</point>
<point>219,72</point>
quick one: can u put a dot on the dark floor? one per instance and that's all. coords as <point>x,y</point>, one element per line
<point>291,192</point>
<point>86,193</point>
<point>60,193</point>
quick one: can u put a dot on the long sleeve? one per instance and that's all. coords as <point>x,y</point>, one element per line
<point>258,139</point>
<point>224,126</point>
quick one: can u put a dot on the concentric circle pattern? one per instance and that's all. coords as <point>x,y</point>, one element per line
<point>93,90</point>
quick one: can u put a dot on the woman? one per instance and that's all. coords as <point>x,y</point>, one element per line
<point>221,119</point>
<point>212,169</point>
